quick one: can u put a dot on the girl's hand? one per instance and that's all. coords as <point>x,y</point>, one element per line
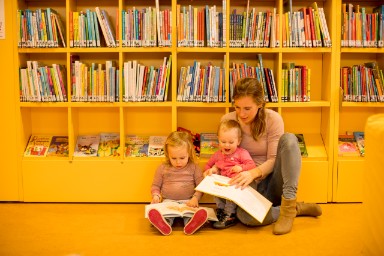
<point>243,179</point>
<point>156,199</point>
<point>211,171</point>
<point>193,202</point>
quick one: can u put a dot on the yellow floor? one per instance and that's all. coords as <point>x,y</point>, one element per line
<point>120,229</point>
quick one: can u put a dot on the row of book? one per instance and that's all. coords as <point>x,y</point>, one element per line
<point>89,28</point>
<point>254,29</point>
<point>296,83</point>
<point>362,83</point>
<point>143,83</point>
<point>95,145</point>
<point>306,27</point>
<point>108,145</point>
<point>199,27</point>
<point>201,83</point>
<point>42,83</point>
<point>362,29</point>
<point>40,28</point>
<point>148,27</point>
<point>94,82</point>
<point>351,144</point>
<point>264,75</point>
<point>196,27</point>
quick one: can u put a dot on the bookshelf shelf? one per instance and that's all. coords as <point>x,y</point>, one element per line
<point>125,179</point>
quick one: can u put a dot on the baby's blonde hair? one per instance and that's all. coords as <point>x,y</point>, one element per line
<point>226,125</point>
<point>180,139</point>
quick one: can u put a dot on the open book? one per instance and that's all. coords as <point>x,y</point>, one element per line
<point>175,209</point>
<point>248,198</point>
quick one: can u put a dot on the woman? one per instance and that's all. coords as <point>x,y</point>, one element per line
<point>277,157</point>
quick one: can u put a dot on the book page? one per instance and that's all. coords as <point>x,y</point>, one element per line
<point>248,199</point>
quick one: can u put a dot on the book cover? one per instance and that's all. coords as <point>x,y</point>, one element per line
<point>109,145</point>
<point>136,145</point>
<point>347,145</point>
<point>175,209</point>
<point>38,145</point>
<point>302,146</point>
<point>58,146</point>
<point>156,146</point>
<point>87,145</point>
<point>359,138</point>
<point>248,198</point>
<point>209,144</point>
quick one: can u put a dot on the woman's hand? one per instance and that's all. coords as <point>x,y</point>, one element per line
<point>243,179</point>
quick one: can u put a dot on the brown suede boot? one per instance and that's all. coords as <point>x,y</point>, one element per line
<point>306,209</point>
<point>284,223</point>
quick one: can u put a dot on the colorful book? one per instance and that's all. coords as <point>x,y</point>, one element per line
<point>347,145</point>
<point>38,145</point>
<point>359,138</point>
<point>156,146</point>
<point>209,144</point>
<point>302,146</point>
<point>58,146</point>
<point>136,145</point>
<point>87,145</point>
<point>109,145</point>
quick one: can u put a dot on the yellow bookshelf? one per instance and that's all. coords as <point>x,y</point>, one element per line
<point>129,179</point>
<point>348,172</point>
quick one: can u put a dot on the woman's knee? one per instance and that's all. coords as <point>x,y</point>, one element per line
<point>289,140</point>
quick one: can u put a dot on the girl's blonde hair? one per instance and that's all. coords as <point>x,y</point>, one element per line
<point>229,124</point>
<point>251,87</point>
<point>180,139</point>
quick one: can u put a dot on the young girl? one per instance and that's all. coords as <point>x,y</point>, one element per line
<point>228,161</point>
<point>175,180</point>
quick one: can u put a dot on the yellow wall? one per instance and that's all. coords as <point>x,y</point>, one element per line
<point>9,169</point>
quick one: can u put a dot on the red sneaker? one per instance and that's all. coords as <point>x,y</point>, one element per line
<point>159,222</point>
<point>197,220</point>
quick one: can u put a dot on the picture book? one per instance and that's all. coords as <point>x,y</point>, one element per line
<point>38,145</point>
<point>347,145</point>
<point>136,145</point>
<point>359,138</point>
<point>303,147</point>
<point>58,146</point>
<point>175,209</point>
<point>109,145</point>
<point>248,198</point>
<point>209,144</point>
<point>87,145</point>
<point>156,146</point>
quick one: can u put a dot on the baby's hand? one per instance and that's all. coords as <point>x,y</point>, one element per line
<point>237,168</point>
